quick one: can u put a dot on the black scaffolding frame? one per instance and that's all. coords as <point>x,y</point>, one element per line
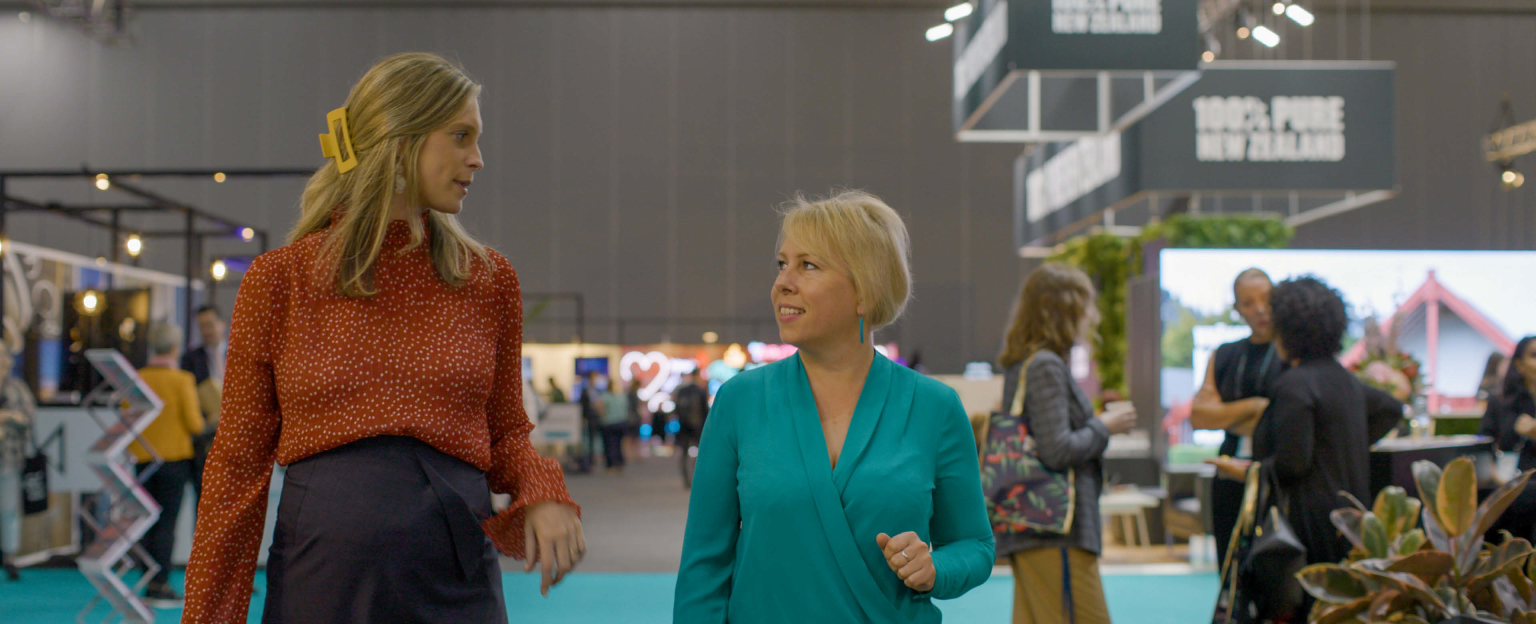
<point>200,223</point>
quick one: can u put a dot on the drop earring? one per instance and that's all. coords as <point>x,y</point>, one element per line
<point>861,330</point>
<point>399,180</point>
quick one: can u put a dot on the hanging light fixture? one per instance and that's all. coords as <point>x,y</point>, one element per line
<point>958,12</point>
<point>941,31</point>
<point>134,245</point>
<point>103,182</point>
<point>1299,15</point>
<point>1268,37</point>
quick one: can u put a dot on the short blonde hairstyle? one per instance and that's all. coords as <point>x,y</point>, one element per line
<point>164,338</point>
<point>864,239</point>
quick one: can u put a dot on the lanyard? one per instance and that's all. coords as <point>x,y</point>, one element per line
<point>1242,369</point>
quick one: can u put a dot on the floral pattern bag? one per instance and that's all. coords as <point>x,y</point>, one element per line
<point>1024,497</point>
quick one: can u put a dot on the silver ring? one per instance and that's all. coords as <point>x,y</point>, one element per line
<point>904,555</point>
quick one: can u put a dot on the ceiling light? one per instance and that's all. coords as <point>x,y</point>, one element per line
<point>89,301</point>
<point>1266,36</point>
<point>102,182</point>
<point>219,270</point>
<point>1208,56</point>
<point>246,234</point>
<point>711,337</point>
<point>1299,15</point>
<point>134,245</point>
<point>959,11</point>
<point>219,177</point>
<point>941,31</point>
<point>1279,8</point>
<point>1242,32</point>
<point>1512,179</point>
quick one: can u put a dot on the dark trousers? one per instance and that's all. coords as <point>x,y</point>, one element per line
<point>167,486</point>
<point>384,530</point>
<point>613,445</point>
<point>1226,506</point>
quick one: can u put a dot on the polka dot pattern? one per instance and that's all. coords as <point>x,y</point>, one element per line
<point>309,370</point>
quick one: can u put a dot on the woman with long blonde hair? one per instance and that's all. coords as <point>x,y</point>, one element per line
<point>1056,578</point>
<point>378,357</point>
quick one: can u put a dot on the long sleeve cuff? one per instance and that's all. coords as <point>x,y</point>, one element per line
<point>545,483</point>
<point>959,568</point>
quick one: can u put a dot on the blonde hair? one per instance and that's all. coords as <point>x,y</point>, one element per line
<point>865,239</point>
<point>390,112</point>
<point>1049,313</point>
<point>164,338</point>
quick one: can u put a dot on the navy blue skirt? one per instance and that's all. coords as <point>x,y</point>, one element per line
<point>385,529</point>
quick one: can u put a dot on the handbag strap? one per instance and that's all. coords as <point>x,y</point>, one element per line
<point>1018,393</point>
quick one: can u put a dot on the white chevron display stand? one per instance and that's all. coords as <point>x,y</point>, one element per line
<point>123,405</point>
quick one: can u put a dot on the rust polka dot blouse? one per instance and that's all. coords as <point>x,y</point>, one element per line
<point>310,370</point>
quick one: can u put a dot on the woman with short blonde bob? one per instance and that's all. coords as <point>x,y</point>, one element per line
<point>835,485</point>
<point>378,357</point>
<point>1056,579</point>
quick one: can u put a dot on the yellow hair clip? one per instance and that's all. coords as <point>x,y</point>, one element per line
<point>338,144</point>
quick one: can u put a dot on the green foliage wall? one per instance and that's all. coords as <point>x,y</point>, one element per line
<point>1111,261</point>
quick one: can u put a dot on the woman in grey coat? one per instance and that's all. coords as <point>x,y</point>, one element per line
<point>1055,311</point>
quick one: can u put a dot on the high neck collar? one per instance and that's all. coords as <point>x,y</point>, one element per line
<point>397,233</point>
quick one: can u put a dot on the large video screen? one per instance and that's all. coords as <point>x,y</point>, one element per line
<point>1461,305</point>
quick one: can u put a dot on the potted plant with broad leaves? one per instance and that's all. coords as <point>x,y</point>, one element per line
<point>1439,573</point>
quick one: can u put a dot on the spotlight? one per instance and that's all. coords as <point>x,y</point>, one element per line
<point>941,31</point>
<point>1208,56</point>
<point>1268,37</point>
<point>959,11</point>
<point>102,182</point>
<point>246,234</point>
<point>1299,15</point>
<point>1242,32</point>
<point>135,245</point>
<point>1512,179</point>
<point>1279,8</point>
<point>219,177</point>
<point>219,270</point>
<point>89,301</point>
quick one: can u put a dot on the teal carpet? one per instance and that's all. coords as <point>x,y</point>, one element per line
<point>56,595</point>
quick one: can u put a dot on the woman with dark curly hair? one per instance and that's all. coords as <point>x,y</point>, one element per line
<point>1321,421</point>
<point>1510,423</point>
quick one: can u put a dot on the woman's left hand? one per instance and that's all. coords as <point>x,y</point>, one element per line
<point>910,559</point>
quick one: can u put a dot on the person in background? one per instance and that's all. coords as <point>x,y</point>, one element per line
<point>1493,379</point>
<point>556,395</point>
<point>18,409</point>
<point>591,417</point>
<point>1321,421</point>
<point>1057,579</point>
<point>1509,421</point>
<point>1233,397</point>
<point>692,401</point>
<point>834,485</point>
<point>170,434</point>
<point>615,408</point>
<point>206,363</point>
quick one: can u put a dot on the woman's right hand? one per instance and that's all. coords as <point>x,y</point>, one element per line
<point>1119,420</point>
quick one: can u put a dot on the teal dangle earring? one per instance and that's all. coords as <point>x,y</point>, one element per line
<point>861,330</point>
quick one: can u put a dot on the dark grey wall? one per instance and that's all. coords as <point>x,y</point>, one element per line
<point>635,154</point>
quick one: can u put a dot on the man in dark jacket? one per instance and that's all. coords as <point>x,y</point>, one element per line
<point>206,363</point>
